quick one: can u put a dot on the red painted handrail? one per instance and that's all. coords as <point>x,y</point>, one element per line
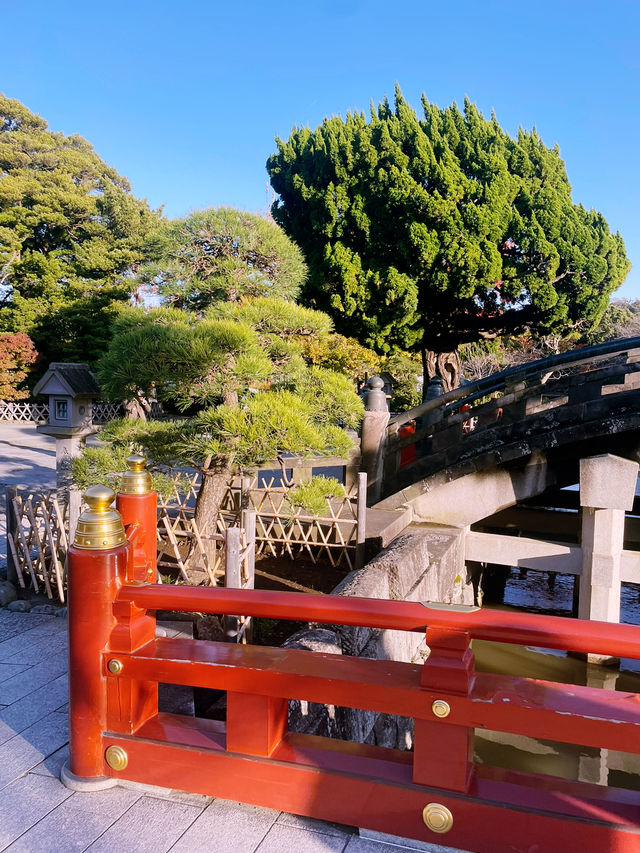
<point>524,629</point>
<point>117,731</point>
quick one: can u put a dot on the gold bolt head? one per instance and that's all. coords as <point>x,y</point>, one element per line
<point>441,708</point>
<point>114,666</point>
<point>437,818</point>
<point>116,757</point>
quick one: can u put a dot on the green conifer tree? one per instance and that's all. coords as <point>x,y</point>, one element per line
<point>425,233</point>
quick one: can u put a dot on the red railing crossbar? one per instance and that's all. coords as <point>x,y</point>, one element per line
<point>116,663</point>
<point>525,629</point>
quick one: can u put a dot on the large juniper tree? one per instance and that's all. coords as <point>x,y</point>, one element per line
<point>425,233</point>
<point>70,233</point>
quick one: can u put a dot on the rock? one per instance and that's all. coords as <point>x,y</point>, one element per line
<point>19,606</point>
<point>8,593</point>
<point>209,628</point>
<point>47,609</point>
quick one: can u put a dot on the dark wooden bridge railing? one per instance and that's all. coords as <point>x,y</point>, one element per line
<point>587,384</point>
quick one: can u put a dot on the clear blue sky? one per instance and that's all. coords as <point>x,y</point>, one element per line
<point>187,98</point>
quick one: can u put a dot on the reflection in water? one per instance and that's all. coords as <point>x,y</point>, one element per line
<point>537,592</point>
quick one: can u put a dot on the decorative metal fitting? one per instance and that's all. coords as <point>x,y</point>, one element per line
<point>99,527</point>
<point>136,480</point>
<point>441,708</point>
<point>116,757</point>
<point>115,666</point>
<point>437,818</point>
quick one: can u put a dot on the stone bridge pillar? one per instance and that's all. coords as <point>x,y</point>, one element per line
<point>373,438</point>
<point>607,489</point>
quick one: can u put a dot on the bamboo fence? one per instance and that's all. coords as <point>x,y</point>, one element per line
<point>37,533</point>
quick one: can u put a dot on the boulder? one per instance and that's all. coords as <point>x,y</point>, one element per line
<point>8,593</point>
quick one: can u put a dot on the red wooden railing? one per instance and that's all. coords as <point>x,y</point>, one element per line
<point>435,793</point>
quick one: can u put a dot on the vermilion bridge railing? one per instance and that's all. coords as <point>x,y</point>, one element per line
<point>434,793</point>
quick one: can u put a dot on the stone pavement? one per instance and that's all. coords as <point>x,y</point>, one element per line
<point>27,459</point>
<point>39,814</point>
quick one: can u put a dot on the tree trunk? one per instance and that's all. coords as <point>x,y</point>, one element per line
<point>215,481</point>
<point>137,408</point>
<point>134,410</point>
<point>446,365</point>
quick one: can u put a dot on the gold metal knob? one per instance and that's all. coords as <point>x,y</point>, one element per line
<point>99,527</point>
<point>437,818</point>
<point>116,757</point>
<point>441,708</point>
<point>114,666</point>
<point>136,480</point>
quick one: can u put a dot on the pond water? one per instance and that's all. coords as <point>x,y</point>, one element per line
<point>539,592</point>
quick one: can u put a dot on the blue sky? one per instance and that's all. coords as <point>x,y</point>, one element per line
<point>187,98</point>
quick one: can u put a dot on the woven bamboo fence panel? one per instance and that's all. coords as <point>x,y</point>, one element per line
<point>38,532</point>
<point>281,530</point>
<point>37,540</point>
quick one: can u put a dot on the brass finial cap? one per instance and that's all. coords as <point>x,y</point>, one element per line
<point>136,480</point>
<point>99,526</point>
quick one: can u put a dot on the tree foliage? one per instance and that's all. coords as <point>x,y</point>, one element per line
<point>427,232</point>
<point>17,354</point>
<point>70,232</point>
<point>222,254</point>
<point>240,373</point>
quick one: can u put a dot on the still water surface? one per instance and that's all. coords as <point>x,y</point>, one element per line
<point>538,592</point>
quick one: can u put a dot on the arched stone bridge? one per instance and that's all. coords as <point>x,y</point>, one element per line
<point>464,464</point>
<point>528,425</point>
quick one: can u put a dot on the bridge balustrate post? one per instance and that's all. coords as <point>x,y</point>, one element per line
<point>443,751</point>
<point>98,561</point>
<point>607,489</point>
<point>373,438</point>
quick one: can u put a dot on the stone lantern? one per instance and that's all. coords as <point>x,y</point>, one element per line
<point>71,389</point>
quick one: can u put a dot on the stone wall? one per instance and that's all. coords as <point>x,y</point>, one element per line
<point>425,563</point>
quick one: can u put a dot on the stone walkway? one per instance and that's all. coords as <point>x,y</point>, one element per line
<point>27,459</point>
<point>40,814</point>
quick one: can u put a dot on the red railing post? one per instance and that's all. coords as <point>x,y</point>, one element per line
<point>443,751</point>
<point>97,559</point>
<point>132,703</point>
<point>137,503</point>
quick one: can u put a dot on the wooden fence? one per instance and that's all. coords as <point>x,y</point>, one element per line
<point>37,540</point>
<point>281,529</point>
<point>38,534</point>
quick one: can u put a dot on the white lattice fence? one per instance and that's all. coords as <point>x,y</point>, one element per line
<point>18,411</point>
<point>105,412</point>
<point>23,412</point>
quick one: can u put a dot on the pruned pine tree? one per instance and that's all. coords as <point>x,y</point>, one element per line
<point>221,254</point>
<point>425,232</point>
<point>240,374</point>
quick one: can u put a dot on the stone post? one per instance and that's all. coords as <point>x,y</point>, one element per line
<point>373,438</point>
<point>435,389</point>
<point>607,489</point>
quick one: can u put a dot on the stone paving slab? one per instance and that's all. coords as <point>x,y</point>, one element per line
<point>39,813</point>
<point>234,826</point>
